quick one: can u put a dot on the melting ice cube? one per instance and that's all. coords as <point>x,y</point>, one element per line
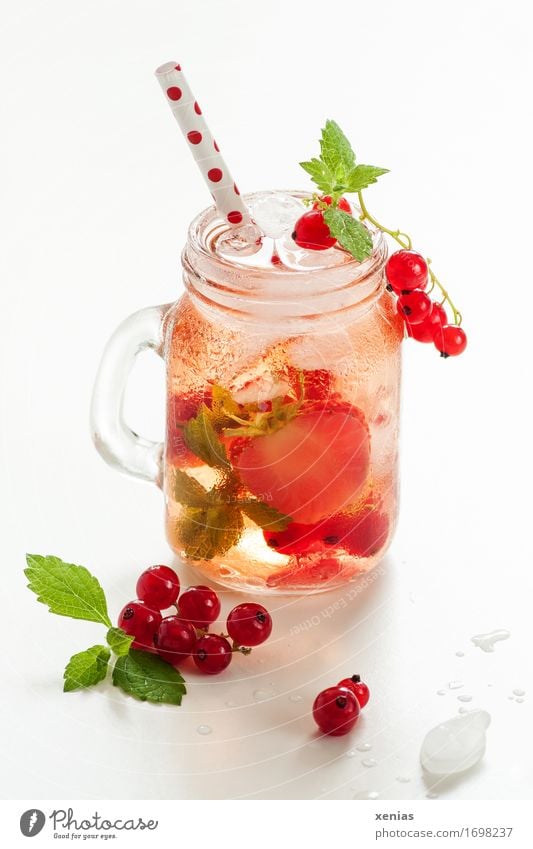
<point>456,745</point>
<point>486,641</point>
<point>276,213</point>
<point>239,242</point>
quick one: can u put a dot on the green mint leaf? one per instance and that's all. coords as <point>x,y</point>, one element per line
<point>201,438</point>
<point>320,174</point>
<point>362,176</point>
<point>148,678</point>
<point>349,232</point>
<point>188,491</point>
<point>206,532</point>
<point>68,590</point>
<point>222,402</point>
<point>86,668</point>
<point>336,151</point>
<point>265,516</point>
<point>119,641</point>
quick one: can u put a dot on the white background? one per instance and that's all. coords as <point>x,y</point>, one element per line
<point>97,191</point>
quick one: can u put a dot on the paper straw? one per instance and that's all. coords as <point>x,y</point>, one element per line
<point>201,143</point>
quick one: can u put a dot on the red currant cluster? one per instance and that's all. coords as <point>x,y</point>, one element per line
<point>337,709</point>
<point>426,320</point>
<point>408,275</point>
<point>175,638</point>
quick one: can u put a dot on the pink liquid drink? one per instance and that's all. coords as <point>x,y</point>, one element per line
<point>283,370</point>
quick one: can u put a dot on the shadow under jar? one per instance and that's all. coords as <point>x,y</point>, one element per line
<point>279,467</point>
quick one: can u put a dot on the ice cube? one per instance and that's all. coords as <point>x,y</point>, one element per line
<point>456,745</point>
<point>275,213</point>
<point>302,259</point>
<point>240,242</point>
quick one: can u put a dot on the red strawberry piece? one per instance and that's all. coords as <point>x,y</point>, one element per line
<point>295,539</point>
<point>362,534</point>
<point>317,383</point>
<point>313,466</point>
<point>322,572</point>
<point>181,408</point>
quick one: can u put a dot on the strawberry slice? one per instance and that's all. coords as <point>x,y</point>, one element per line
<point>295,539</point>
<point>313,466</point>
<point>317,383</point>
<point>362,534</point>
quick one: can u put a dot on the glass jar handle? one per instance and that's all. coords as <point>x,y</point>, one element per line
<point>119,446</point>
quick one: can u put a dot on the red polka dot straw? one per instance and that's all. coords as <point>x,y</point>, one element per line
<point>201,143</point>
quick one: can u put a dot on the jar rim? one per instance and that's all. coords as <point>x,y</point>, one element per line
<point>242,286</point>
<point>211,217</point>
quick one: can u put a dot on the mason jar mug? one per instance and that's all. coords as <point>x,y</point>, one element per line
<point>280,461</point>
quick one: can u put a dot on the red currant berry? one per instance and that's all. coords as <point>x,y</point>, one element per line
<point>199,605</point>
<point>406,270</point>
<point>425,331</point>
<point>415,306</point>
<point>450,340</point>
<point>212,654</point>
<point>249,624</point>
<point>336,710</point>
<point>158,587</point>
<point>312,232</point>
<point>342,204</point>
<point>358,688</point>
<point>140,621</point>
<point>175,639</point>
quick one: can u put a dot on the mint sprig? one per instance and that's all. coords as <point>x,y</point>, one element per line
<point>68,590</point>
<point>119,641</point>
<point>148,678</point>
<point>86,668</point>
<point>335,173</point>
<point>349,232</point>
<point>212,521</point>
<point>202,439</point>
<point>72,591</point>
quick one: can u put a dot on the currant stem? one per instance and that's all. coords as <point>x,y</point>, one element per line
<point>236,647</point>
<point>457,317</point>
<point>404,240</point>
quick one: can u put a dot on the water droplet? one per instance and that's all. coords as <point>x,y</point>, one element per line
<point>459,654</point>
<point>519,700</point>
<point>296,697</point>
<point>511,698</point>
<point>364,747</point>
<point>486,641</point>
<point>441,692</point>
<point>403,779</point>
<point>262,695</point>
<point>455,685</point>
<point>351,754</point>
<point>518,692</point>
<point>366,794</point>
<point>455,745</point>
<point>230,704</point>
<point>463,710</point>
<point>369,762</point>
<point>464,698</point>
<point>432,795</point>
<point>204,730</point>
